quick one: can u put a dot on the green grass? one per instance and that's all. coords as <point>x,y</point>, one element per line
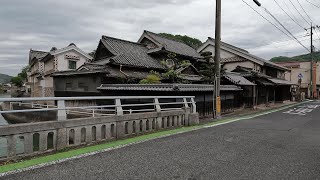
<point>114,144</point>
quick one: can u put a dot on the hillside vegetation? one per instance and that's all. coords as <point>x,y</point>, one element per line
<point>4,78</point>
<point>304,57</point>
<point>193,42</point>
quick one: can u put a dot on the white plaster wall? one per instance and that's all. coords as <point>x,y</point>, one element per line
<point>63,64</point>
<point>231,66</point>
<point>224,54</point>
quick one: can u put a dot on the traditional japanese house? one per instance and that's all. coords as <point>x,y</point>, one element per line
<point>268,77</point>
<point>120,65</point>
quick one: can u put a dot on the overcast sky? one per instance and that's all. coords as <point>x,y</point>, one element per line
<point>42,24</point>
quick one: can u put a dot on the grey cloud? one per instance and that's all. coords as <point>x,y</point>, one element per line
<point>41,24</point>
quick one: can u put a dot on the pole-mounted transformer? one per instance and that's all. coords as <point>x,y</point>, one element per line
<point>257,2</point>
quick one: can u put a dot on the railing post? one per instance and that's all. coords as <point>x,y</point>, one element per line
<point>158,109</point>
<point>193,118</point>
<point>157,105</point>
<point>11,148</point>
<point>186,105</point>
<point>62,114</point>
<point>119,109</point>
<point>194,106</point>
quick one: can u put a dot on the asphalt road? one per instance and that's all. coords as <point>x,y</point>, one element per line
<point>273,146</point>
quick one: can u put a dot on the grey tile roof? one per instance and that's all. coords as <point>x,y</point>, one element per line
<point>72,73</point>
<point>230,46</point>
<point>280,81</point>
<point>37,54</point>
<point>130,53</point>
<point>166,87</point>
<point>245,54</point>
<point>238,80</point>
<point>174,46</point>
<point>233,59</point>
<point>263,82</point>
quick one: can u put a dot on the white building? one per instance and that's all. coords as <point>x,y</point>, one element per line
<point>44,64</point>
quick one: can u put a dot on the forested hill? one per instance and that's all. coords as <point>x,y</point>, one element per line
<point>193,42</point>
<point>4,78</point>
<point>304,57</point>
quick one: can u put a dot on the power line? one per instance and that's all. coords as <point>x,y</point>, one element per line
<point>299,12</point>
<point>308,17</point>
<point>285,28</point>
<point>266,19</point>
<point>288,14</point>
<point>313,4</point>
<point>290,11</point>
<point>279,42</point>
<point>304,11</point>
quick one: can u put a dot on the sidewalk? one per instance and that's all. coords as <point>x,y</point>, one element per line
<point>248,111</point>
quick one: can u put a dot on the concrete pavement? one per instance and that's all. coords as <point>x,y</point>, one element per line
<point>281,145</point>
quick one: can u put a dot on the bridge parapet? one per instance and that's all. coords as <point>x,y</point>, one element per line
<point>131,116</point>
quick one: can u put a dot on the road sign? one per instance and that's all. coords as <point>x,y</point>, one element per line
<point>300,76</point>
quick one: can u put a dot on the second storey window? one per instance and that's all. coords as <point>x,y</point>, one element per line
<point>72,64</point>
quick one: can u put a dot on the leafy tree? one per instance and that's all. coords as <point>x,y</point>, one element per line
<point>17,80</point>
<point>151,79</point>
<point>23,73</point>
<point>207,70</point>
<point>192,42</point>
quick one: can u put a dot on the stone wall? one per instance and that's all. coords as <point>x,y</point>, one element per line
<point>39,138</point>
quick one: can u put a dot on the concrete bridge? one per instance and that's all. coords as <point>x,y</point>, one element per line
<point>99,119</point>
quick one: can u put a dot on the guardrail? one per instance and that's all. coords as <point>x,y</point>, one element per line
<point>112,118</point>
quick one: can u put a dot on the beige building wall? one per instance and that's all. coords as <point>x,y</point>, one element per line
<point>49,65</point>
<point>304,69</point>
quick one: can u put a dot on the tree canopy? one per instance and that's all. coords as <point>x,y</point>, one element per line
<point>192,42</point>
<point>304,57</point>
<point>21,77</point>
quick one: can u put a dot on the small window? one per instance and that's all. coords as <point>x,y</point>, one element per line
<point>68,86</point>
<point>72,64</point>
<point>83,86</point>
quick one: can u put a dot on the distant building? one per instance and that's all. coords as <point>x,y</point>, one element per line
<point>300,74</point>
<point>44,64</point>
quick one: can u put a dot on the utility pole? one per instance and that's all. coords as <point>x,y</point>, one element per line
<point>313,70</point>
<point>217,58</point>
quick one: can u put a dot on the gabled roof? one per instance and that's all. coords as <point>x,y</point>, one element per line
<point>229,45</point>
<point>130,53</point>
<point>242,53</point>
<point>38,55</point>
<point>170,45</point>
<point>69,48</point>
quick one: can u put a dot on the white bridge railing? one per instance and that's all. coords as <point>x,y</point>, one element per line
<point>105,119</point>
<point>111,105</point>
